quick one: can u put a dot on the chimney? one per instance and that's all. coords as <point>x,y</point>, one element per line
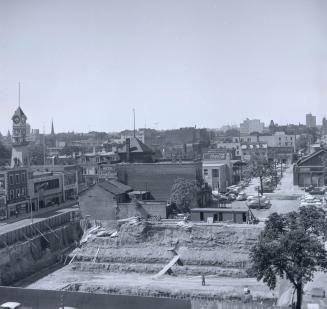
<point>128,149</point>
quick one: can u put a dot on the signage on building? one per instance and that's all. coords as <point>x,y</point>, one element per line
<point>280,150</point>
<point>215,155</point>
<point>108,172</point>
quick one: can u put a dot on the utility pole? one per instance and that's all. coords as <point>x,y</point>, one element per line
<point>43,145</point>
<point>134,120</point>
<point>19,94</point>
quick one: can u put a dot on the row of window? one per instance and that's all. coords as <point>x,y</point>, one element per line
<point>219,217</point>
<point>46,185</point>
<point>17,179</point>
<point>17,193</point>
<point>255,139</point>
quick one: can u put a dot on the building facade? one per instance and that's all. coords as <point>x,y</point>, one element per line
<point>311,170</point>
<point>310,121</point>
<point>157,178</point>
<point>251,125</point>
<point>217,169</point>
<point>13,192</point>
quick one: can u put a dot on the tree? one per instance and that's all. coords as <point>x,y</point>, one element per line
<point>258,167</point>
<point>290,247</point>
<point>185,194</point>
<point>36,153</point>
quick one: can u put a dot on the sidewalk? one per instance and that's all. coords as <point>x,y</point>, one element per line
<point>42,212</point>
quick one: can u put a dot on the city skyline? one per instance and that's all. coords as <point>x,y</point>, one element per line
<point>178,65</point>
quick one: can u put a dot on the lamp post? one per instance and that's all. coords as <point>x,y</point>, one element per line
<point>31,208</point>
<point>38,197</point>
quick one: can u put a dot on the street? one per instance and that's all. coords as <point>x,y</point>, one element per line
<point>284,199</point>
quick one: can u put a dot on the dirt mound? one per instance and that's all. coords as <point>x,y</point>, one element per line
<point>146,247</point>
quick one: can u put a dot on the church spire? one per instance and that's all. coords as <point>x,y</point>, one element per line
<point>52,128</point>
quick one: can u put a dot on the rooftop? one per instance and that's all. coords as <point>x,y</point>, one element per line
<point>239,208</point>
<point>114,187</point>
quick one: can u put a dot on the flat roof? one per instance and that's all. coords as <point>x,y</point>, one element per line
<point>213,164</point>
<point>241,209</point>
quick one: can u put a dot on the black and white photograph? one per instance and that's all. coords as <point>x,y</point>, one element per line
<point>163,154</point>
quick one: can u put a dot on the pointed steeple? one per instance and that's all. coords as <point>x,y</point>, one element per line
<point>52,128</point>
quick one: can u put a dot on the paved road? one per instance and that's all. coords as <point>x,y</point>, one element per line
<point>283,200</point>
<point>4,228</point>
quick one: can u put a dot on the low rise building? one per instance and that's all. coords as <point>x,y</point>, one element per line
<point>45,189</point>
<point>311,170</point>
<point>254,150</point>
<point>240,214</point>
<point>100,200</point>
<point>278,139</point>
<point>233,147</point>
<point>135,151</point>
<point>13,192</point>
<point>157,178</point>
<point>217,169</point>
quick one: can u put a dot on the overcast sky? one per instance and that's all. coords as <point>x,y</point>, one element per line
<point>88,63</point>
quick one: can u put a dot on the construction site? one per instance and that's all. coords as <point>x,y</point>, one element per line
<point>202,263</point>
<point>166,258</point>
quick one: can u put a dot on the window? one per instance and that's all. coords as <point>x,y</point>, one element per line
<point>215,217</point>
<point>46,185</point>
<point>291,138</point>
<point>215,173</point>
<point>220,216</point>
<point>23,192</point>
<point>23,176</point>
<point>17,178</point>
<point>244,217</point>
<point>201,216</point>
<point>11,179</point>
<point>17,193</point>
<point>11,194</point>
<point>205,172</point>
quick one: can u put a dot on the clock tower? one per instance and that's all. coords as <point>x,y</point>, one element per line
<point>19,154</point>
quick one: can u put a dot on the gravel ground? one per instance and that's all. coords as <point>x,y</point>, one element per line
<point>134,284</point>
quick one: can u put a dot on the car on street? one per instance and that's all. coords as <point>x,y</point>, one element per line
<point>310,200</point>
<point>241,196</point>
<point>318,191</point>
<point>258,202</point>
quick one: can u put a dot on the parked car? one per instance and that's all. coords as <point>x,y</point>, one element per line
<point>309,188</point>
<point>13,305</point>
<point>231,197</point>
<point>258,202</point>
<point>241,196</point>
<point>318,190</point>
<point>310,200</point>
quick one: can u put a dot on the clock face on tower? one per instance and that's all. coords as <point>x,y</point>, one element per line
<point>16,119</point>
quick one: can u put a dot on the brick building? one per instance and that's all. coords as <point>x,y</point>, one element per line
<point>13,192</point>
<point>157,178</point>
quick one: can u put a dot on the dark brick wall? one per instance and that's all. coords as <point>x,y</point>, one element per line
<point>157,178</point>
